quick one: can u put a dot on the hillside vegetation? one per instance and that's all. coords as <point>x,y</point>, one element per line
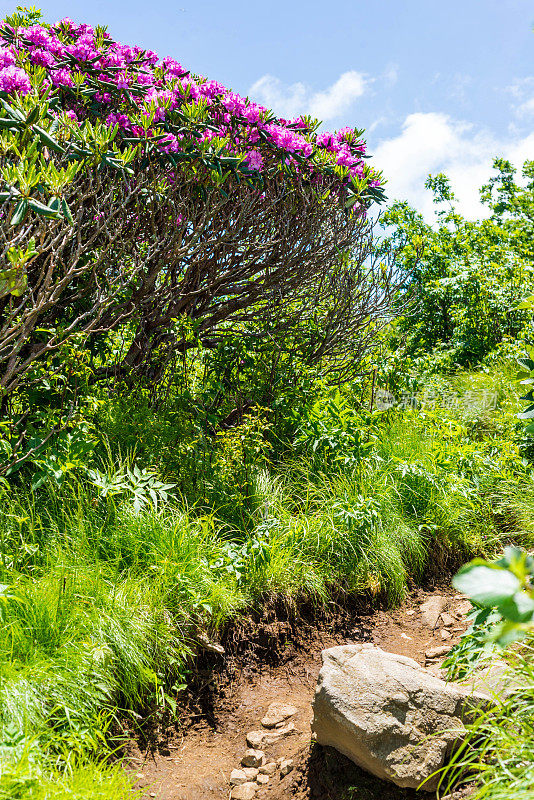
<point>191,430</point>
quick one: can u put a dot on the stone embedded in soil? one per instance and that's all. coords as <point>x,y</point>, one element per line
<point>277,713</point>
<point>446,634</point>
<point>464,607</point>
<point>437,652</point>
<point>237,777</point>
<point>388,714</point>
<point>286,767</point>
<point>251,773</point>
<point>269,768</point>
<point>206,644</point>
<point>252,758</point>
<point>244,792</point>
<point>262,780</point>
<point>432,609</point>
<point>257,739</point>
<point>448,620</point>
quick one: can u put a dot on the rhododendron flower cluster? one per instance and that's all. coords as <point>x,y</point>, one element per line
<point>181,115</point>
<point>14,80</point>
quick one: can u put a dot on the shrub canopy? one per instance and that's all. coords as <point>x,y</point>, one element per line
<point>134,193</point>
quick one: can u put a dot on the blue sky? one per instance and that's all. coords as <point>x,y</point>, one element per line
<point>437,85</point>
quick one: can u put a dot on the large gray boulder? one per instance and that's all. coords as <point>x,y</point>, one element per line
<point>388,714</point>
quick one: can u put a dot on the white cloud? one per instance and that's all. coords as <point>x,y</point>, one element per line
<point>433,142</point>
<point>298,98</point>
<point>390,75</point>
<point>526,108</point>
<point>523,91</point>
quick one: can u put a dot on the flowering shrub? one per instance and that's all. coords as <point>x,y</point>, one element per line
<point>135,195</point>
<point>159,105</point>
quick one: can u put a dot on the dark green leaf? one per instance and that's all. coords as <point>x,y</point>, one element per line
<point>41,209</point>
<point>20,212</point>
<point>67,212</point>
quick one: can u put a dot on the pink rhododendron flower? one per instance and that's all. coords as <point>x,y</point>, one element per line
<point>13,79</point>
<point>254,160</point>
<point>173,68</point>
<point>211,89</point>
<point>36,35</point>
<point>42,57</point>
<point>62,77</point>
<point>145,79</point>
<point>7,59</point>
<point>156,88</point>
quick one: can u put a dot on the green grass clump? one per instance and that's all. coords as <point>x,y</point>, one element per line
<point>496,754</point>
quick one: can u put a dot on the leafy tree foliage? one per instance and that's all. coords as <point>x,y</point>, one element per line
<point>466,278</point>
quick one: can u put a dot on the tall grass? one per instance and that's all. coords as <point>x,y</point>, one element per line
<point>101,604</point>
<point>496,754</point>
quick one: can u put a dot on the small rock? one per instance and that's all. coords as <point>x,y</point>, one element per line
<point>446,634</point>
<point>251,773</point>
<point>252,758</point>
<point>257,739</point>
<point>244,792</point>
<point>237,777</point>
<point>405,636</point>
<point>464,607</point>
<point>448,620</point>
<point>286,767</point>
<point>269,768</point>
<point>206,644</point>
<point>432,608</point>
<point>436,652</point>
<point>278,713</point>
<point>139,775</point>
<point>262,780</point>
<point>410,612</point>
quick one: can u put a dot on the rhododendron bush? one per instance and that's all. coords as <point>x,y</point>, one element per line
<point>136,194</point>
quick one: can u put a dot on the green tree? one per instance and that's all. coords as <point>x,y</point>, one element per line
<point>466,277</point>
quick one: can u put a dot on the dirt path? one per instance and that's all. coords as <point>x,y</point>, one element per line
<point>195,763</point>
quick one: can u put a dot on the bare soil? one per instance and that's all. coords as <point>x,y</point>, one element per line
<point>270,659</point>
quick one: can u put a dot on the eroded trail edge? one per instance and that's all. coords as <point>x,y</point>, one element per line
<point>279,662</point>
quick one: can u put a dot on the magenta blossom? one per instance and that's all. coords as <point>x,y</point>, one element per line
<point>7,59</point>
<point>42,57</point>
<point>62,77</point>
<point>254,160</point>
<point>13,79</point>
<point>122,83</point>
